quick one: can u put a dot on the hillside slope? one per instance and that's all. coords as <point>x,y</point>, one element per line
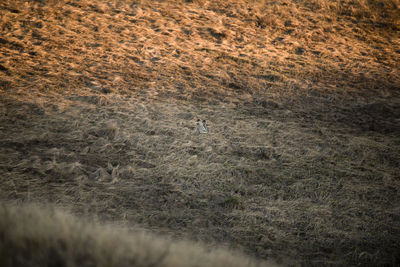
<point>99,102</point>
<point>200,49</point>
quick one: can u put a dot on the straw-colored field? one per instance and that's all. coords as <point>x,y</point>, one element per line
<point>98,109</point>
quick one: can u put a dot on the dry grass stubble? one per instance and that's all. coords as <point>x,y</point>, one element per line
<point>99,99</point>
<point>303,181</point>
<point>224,50</point>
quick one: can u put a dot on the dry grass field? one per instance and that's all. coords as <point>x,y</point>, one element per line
<point>98,109</point>
<point>59,239</point>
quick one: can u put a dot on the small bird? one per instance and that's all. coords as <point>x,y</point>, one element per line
<point>202,126</point>
<point>205,125</point>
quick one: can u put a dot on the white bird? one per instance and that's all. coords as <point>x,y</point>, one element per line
<point>201,126</point>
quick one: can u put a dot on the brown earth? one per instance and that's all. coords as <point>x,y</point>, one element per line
<point>99,103</point>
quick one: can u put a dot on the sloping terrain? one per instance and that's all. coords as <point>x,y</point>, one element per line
<point>279,182</point>
<point>99,102</point>
<point>201,49</point>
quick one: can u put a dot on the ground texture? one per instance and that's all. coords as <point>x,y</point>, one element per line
<point>300,166</point>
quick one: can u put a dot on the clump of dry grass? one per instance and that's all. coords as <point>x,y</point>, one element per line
<point>44,236</point>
